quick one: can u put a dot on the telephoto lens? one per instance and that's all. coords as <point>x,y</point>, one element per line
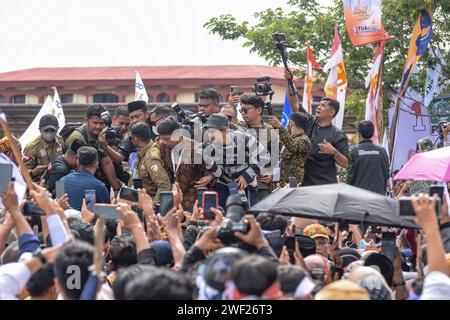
<point>236,209</point>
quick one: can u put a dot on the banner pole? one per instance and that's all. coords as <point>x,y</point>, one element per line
<point>17,156</point>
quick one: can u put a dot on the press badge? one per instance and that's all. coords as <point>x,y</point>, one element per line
<point>43,153</point>
<point>233,188</point>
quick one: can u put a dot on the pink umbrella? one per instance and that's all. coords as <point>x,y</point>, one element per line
<point>432,165</point>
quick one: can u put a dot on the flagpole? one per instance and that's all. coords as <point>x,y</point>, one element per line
<point>380,97</point>
<point>393,129</point>
<point>17,155</point>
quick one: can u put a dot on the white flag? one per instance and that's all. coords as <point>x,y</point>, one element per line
<point>32,131</point>
<point>19,184</point>
<point>139,90</point>
<point>57,110</point>
<point>431,83</point>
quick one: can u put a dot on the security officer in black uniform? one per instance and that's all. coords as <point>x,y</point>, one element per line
<point>368,164</point>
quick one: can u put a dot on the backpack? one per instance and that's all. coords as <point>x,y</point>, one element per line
<point>70,127</point>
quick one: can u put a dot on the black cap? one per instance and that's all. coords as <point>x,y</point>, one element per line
<point>137,105</point>
<point>217,121</point>
<point>77,144</point>
<point>48,121</point>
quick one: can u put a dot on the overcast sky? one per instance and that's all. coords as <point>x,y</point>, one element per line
<point>56,33</point>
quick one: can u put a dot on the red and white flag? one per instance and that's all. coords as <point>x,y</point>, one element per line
<point>311,64</point>
<point>374,105</point>
<point>336,86</point>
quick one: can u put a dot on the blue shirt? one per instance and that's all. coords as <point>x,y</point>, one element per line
<point>76,183</point>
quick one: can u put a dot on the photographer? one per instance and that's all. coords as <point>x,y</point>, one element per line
<point>231,113</point>
<point>208,102</point>
<point>329,144</point>
<point>252,108</point>
<point>89,134</point>
<point>138,112</point>
<point>233,156</point>
<point>121,121</point>
<point>113,134</point>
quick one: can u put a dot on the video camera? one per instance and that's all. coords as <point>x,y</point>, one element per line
<point>236,209</point>
<point>111,134</point>
<point>263,87</point>
<point>188,120</point>
<point>281,45</point>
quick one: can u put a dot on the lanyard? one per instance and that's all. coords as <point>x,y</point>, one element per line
<point>177,164</point>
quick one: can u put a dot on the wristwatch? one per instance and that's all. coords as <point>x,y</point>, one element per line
<point>38,254</point>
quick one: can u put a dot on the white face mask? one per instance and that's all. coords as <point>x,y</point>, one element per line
<point>155,130</point>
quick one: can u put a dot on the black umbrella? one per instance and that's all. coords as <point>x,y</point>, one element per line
<point>335,202</point>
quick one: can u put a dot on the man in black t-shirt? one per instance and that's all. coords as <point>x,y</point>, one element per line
<point>329,144</point>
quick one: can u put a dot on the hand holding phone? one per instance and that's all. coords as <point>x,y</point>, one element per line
<point>293,182</point>
<point>165,202</point>
<point>107,211</point>
<point>210,200</point>
<point>200,191</point>
<point>6,170</point>
<point>59,189</point>
<point>388,246</point>
<point>129,194</point>
<point>91,200</point>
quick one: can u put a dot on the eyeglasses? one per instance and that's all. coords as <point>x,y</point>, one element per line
<point>244,111</point>
<point>50,130</point>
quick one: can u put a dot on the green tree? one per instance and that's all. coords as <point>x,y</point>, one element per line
<point>314,23</point>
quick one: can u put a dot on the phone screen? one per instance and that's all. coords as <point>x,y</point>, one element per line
<point>5,176</point>
<point>388,245</point>
<point>165,202</point>
<point>289,242</point>
<point>292,182</point>
<point>210,200</point>
<point>406,208</point>
<point>129,194</point>
<point>59,189</point>
<point>91,200</point>
<point>440,192</point>
<point>200,195</point>
<point>107,211</point>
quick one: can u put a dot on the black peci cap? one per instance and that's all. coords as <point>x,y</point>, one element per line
<point>137,105</point>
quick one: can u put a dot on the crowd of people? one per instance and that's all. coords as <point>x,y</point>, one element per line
<point>195,249</point>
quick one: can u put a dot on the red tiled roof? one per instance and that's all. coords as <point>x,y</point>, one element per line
<point>149,73</point>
